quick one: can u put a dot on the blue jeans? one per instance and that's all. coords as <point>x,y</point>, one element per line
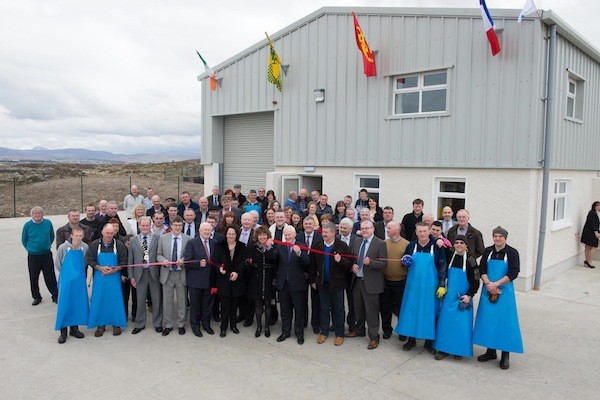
<point>334,303</point>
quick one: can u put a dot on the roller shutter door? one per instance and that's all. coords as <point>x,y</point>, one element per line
<point>248,150</point>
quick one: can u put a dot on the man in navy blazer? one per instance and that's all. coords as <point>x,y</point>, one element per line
<point>199,279</point>
<point>310,237</point>
<point>347,236</point>
<point>291,284</point>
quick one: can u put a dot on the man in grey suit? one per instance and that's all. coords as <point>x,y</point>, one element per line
<point>368,282</point>
<point>170,252</point>
<point>142,250</point>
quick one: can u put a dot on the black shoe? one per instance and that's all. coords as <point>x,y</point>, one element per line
<point>504,360</point>
<point>429,347</point>
<point>235,330</point>
<point>300,339</point>
<point>197,332</point>
<point>217,318</point>
<point>133,318</point>
<point>36,302</point>
<point>63,336</point>
<point>55,300</point>
<point>209,330</point>
<point>74,331</point>
<point>182,331</point>
<point>159,329</point>
<point>282,337</point>
<point>409,344</point>
<point>316,330</point>
<point>258,331</point>
<point>116,330</point>
<point>440,355</point>
<point>135,331</point>
<point>267,331</point>
<point>99,331</point>
<point>166,331</point>
<point>587,264</point>
<point>387,334</point>
<point>248,323</point>
<point>490,354</point>
<point>402,338</point>
<point>223,332</point>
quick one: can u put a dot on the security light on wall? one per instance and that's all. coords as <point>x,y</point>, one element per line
<point>319,95</point>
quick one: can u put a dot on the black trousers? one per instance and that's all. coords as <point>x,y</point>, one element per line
<point>42,263</point>
<point>292,302</point>
<point>351,316</point>
<point>228,311</point>
<point>129,290</point>
<point>391,299</point>
<point>201,304</point>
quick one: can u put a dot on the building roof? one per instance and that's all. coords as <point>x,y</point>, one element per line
<point>548,17</point>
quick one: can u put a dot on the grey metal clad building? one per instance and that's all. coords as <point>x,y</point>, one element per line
<point>443,120</point>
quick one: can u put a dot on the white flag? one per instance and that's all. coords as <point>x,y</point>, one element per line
<point>528,8</point>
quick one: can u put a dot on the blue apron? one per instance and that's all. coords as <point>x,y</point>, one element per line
<point>497,324</point>
<point>419,305</point>
<point>73,306</point>
<point>454,330</point>
<point>107,306</point>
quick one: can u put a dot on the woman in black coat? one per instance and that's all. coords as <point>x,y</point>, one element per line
<point>229,262</point>
<point>591,233</point>
<point>260,269</point>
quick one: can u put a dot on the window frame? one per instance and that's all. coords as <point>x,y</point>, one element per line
<point>438,193</point>
<point>577,97</point>
<point>420,89</point>
<point>566,220</point>
<point>371,190</point>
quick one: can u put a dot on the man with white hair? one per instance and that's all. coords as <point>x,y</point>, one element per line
<point>474,237</point>
<point>147,202</point>
<point>37,237</point>
<point>131,200</point>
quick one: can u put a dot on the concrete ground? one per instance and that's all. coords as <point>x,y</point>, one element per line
<point>560,326</point>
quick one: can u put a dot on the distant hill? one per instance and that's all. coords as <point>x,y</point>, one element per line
<point>92,156</point>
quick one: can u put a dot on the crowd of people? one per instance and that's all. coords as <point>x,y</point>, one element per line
<point>232,259</point>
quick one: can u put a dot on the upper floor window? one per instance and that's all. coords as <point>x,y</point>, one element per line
<point>420,93</point>
<point>575,89</point>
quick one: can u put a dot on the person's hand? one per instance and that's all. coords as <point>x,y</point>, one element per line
<point>355,268</point>
<point>465,299</point>
<point>233,276</point>
<point>366,261</point>
<point>269,242</point>
<point>440,292</point>
<point>133,283</point>
<point>491,287</point>
<point>296,249</point>
<point>202,263</point>
<point>179,262</point>
<point>167,264</point>
<point>439,243</point>
<point>314,286</point>
<point>407,260</point>
<point>597,235</point>
<point>337,257</point>
<point>222,269</point>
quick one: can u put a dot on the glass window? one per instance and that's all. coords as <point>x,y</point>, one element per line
<point>423,93</point>
<point>562,204</point>
<point>574,100</point>
<point>369,182</point>
<point>450,192</point>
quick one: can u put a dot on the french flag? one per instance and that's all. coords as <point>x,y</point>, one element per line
<point>490,28</point>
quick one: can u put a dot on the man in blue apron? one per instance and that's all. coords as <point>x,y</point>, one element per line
<point>73,305</point>
<point>454,330</point>
<point>497,322</point>
<point>106,256</point>
<point>425,281</point>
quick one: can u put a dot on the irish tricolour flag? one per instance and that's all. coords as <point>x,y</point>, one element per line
<point>488,24</point>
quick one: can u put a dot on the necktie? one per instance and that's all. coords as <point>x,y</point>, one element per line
<point>206,248</point>
<point>189,230</point>
<point>309,242</point>
<point>215,201</point>
<point>361,258</point>
<point>145,244</point>
<point>174,255</point>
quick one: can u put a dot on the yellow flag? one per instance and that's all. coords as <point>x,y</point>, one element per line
<point>274,68</point>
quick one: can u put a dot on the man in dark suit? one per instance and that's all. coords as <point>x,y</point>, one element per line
<point>199,279</point>
<point>310,237</point>
<point>347,236</point>
<point>327,276</point>
<point>202,212</point>
<point>215,198</point>
<point>368,282</point>
<point>291,284</point>
<point>142,250</point>
<point>190,223</point>
<point>474,236</point>
<point>380,226</point>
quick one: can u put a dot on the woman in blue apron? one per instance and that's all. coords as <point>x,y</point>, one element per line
<point>73,306</point>
<point>497,321</point>
<point>454,330</point>
<point>426,277</point>
<point>106,306</point>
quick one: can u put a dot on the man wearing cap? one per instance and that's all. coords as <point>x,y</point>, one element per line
<point>454,328</point>
<point>237,194</point>
<point>497,322</point>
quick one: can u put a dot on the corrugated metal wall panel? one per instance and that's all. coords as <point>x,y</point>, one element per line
<point>248,149</point>
<point>495,105</point>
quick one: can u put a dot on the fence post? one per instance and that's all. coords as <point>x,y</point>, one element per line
<point>82,209</point>
<point>130,180</point>
<point>178,190</point>
<point>14,197</point>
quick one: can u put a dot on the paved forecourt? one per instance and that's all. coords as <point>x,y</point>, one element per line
<point>560,326</point>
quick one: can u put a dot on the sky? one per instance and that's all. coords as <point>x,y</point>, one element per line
<point>121,75</point>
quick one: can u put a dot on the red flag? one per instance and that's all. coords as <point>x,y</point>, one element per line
<point>368,56</point>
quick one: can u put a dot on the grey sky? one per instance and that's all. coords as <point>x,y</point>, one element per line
<point>121,75</point>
